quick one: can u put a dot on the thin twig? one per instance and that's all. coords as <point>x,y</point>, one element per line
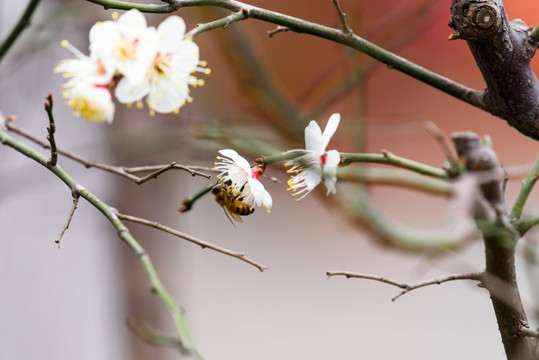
<point>51,130</point>
<point>188,203</point>
<point>345,28</point>
<point>118,170</point>
<point>23,22</point>
<point>69,217</point>
<point>442,140</point>
<point>277,30</point>
<point>407,287</point>
<point>201,243</point>
<point>224,23</point>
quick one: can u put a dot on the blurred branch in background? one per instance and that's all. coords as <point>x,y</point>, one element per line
<point>22,24</point>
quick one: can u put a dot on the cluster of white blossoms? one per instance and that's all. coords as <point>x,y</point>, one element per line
<point>135,61</point>
<point>313,166</point>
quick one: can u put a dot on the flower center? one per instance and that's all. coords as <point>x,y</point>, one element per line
<point>161,64</point>
<point>258,171</point>
<point>126,49</point>
<point>323,159</point>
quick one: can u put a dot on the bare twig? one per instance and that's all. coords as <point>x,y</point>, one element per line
<point>442,140</point>
<point>69,217</point>
<point>51,129</point>
<point>118,170</point>
<point>201,243</point>
<point>345,28</point>
<point>408,287</point>
<point>277,30</point>
<point>224,23</point>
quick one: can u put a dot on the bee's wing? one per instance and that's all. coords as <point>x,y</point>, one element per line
<point>232,216</point>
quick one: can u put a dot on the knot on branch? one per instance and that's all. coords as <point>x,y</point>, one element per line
<point>473,19</point>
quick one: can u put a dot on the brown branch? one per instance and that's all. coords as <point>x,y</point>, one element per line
<point>502,51</point>
<point>51,130</point>
<point>69,218</point>
<point>500,240</point>
<point>192,239</point>
<point>126,172</point>
<point>407,287</point>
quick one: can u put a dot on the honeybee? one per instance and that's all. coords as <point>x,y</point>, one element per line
<point>231,200</point>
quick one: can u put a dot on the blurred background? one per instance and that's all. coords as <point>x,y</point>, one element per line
<point>72,302</point>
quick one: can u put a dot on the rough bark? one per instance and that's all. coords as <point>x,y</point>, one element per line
<point>503,51</point>
<point>500,241</point>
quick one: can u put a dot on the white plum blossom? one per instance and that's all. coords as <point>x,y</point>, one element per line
<point>92,102</point>
<point>315,165</point>
<point>129,41</point>
<point>167,79</point>
<point>243,178</point>
<point>86,91</point>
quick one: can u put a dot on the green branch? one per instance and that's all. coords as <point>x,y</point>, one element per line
<point>390,159</point>
<point>156,285</point>
<point>442,83</point>
<point>126,5</point>
<point>395,177</point>
<point>525,190</point>
<point>535,32</point>
<point>224,23</point>
<point>23,22</point>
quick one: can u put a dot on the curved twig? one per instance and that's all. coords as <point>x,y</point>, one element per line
<point>477,276</point>
<point>194,240</point>
<point>126,172</point>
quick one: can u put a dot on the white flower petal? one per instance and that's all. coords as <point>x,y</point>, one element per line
<point>171,32</point>
<point>330,170</point>
<point>127,93</point>
<point>330,129</point>
<point>313,137</point>
<point>132,22</point>
<point>236,158</point>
